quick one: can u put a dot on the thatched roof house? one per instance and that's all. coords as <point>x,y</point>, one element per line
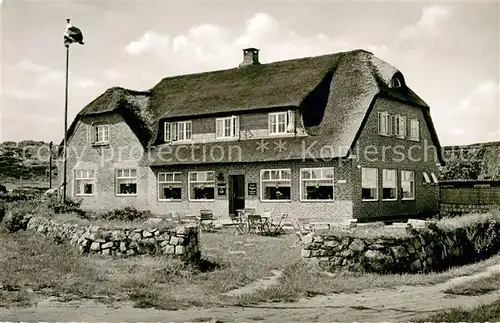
<point>333,92</point>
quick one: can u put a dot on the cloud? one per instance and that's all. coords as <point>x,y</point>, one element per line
<point>477,117</point>
<point>151,41</point>
<point>485,95</point>
<point>209,46</point>
<point>430,20</point>
<point>83,83</point>
<point>113,74</point>
<point>37,81</point>
<point>24,94</point>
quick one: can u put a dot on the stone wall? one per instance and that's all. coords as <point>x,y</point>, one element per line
<point>181,242</point>
<point>422,250</point>
<point>447,209</point>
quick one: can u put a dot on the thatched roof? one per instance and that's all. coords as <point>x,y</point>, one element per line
<point>334,93</point>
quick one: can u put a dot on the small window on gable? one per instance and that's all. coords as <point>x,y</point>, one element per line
<point>426,178</point>
<point>434,178</point>
<point>396,82</point>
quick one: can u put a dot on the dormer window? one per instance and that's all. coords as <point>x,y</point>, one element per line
<point>178,131</point>
<point>396,82</point>
<point>228,127</point>
<point>281,122</point>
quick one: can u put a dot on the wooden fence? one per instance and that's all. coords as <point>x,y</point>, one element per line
<point>470,192</point>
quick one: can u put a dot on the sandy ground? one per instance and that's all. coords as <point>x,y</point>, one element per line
<point>394,305</point>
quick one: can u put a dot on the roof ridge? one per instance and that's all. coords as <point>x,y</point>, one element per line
<point>261,65</point>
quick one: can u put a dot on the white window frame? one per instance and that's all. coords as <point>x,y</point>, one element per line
<point>128,177</point>
<point>384,173</point>
<point>89,177</point>
<point>289,123</point>
<point>322,178</point>
<point>175,182</point>
<point>101,130</point>
<point>173,131</point>
<point>427,179</point>
<point>200,181</point>
<point>376,184</point>
<point>384,124</point>
<point>399,124</point>
<point>414,130</point>
<point>434,178</point>
<point>412,186</point>
<point>234,127</point>
<point>280,179</point>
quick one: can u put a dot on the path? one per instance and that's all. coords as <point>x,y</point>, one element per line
<point>400,304</point>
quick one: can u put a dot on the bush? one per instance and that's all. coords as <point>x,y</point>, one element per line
<point>18,214</point>
<point>3,208</point>
<point>127,213</point>
<point>56,204</point>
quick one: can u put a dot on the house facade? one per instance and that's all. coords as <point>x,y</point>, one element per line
<point>328,138</point>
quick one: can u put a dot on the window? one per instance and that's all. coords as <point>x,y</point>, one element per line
<point>126,182</point>
<point>316,184</point>
<point>434,178</point>
<point>101,134</point>
<point>407,185</point>
<point>84,182</point>
<point>414,129</point>
<point>369,184</point>
<point>201,185</point>
<point>384,124</point>
<point>427,179</point>
<point>399,126</point>
<point>227,127</point>
<point>178,131</point>
<point>395,82</point>
<point>169,186</point>
<point>281,122</point>
<point>389,188</point>
<point>276,184</point>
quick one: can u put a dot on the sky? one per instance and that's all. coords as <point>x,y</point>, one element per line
<point>448,52</point>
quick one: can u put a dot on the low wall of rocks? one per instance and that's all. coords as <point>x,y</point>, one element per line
<point>423,250</point>
<point>181,242</point>
<point>449,209</point>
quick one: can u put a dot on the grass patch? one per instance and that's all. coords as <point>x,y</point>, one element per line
<point>31,262</point>
<point>467,220</point>
<point>482,313</point>
<point>476,287</point>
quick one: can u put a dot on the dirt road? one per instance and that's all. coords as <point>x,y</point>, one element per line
<point>401,304</point>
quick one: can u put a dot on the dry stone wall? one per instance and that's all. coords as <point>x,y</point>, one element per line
<point>181,242</point>
<point>422,250</point>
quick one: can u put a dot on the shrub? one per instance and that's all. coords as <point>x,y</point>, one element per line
<point>127,213</point>
<point>57,205</point>
<point>3,207</point>
<point>18,213</point>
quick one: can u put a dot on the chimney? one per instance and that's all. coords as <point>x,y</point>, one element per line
<point>250,57</point>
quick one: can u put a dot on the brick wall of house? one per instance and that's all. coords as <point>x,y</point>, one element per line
<point>320,211</point>
<point>124,151</point>
<point>397,157</point>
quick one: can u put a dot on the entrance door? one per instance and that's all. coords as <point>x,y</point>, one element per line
<point>236,193</point>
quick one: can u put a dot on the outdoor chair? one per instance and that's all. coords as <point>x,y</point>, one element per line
<point>206,220</point>
<point>300,232</point>
<point>254,223</point>
<point>237,223</point>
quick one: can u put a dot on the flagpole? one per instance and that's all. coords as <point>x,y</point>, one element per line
<point>65,122</point>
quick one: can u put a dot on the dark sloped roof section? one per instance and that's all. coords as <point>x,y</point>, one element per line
<point>132,105</point>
